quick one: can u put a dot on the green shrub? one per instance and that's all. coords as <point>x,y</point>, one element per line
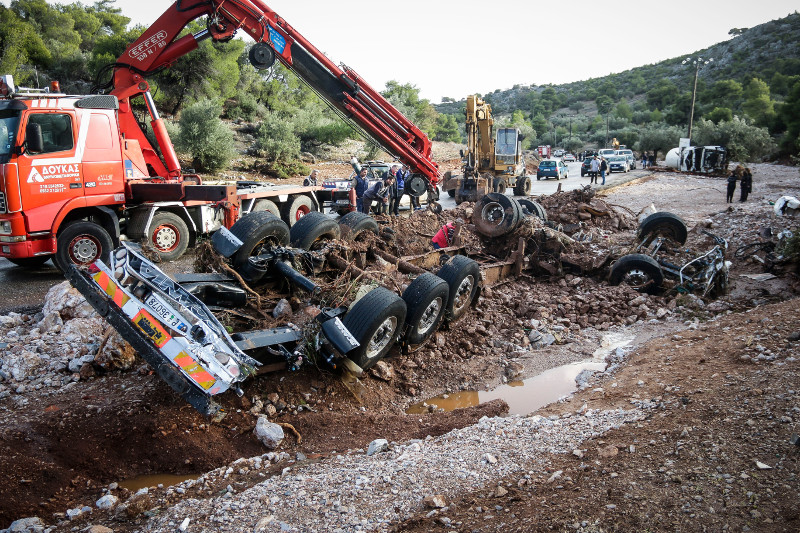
<point>205,137</point>
<point>276,139</point>
<point>245,107</point>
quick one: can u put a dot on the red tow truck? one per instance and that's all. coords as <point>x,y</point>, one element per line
<point>77,172</point>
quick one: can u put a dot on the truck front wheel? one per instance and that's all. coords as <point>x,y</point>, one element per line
<point>296,208</point>
<point>82,243</point>
<point>169,235</point>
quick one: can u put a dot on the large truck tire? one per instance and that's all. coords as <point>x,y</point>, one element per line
<point>664,224</point>
<point>499,185</point>
<point>496,214</point>
<point>296,208</point>
<point>312,230</point>
<point>169,235</point>
<point>462,275</point>
<point>354,224</point>
<point>265,204</point>
<point>640,272</point>
<point>375,321</point>
<point>531,208</point>
<point>81,243</point>
<point>523,186</point>
<point>257,231</point>
<point>426,299</point>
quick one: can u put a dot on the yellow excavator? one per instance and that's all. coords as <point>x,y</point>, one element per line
<point>492,162</point>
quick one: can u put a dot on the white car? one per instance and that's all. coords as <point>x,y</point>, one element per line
<point>569,158</point>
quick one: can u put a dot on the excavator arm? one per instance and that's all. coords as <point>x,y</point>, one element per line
<point>340,86</point>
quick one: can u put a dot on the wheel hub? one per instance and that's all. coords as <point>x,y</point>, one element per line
<point>84,249</point>
<point>429,316</point>
<point>462,294</point>
<point>166,238</point>
<point>493,213</point>
<point>636,278</point>
<point>382,337</point>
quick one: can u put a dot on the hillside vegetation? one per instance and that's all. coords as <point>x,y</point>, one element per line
<point>747,99</point>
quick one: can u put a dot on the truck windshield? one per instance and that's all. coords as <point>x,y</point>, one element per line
<point>506,141</point>
<point>9,122</point>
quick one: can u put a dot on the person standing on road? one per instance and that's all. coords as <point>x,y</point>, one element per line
<point>603,169</point>
<point>594,168</point>
<point>651,160</point>
<point>360,184</point>
<point>379,191</point>
<point>396,191</point>
<point>732,183</point>
<point>311,180</point>
<point>644,159</point>
<point>747,184</point>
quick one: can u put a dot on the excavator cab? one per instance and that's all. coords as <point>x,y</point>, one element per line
<point>506,146</point>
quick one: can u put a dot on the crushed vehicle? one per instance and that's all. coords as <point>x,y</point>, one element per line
<point>701,159</point>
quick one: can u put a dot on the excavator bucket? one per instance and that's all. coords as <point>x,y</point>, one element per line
<point>472,189</point>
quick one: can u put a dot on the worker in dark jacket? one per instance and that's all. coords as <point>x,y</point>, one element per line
<point>360,184</point>
<point>732,183</point>
<point>603,169</point>
<point>396,191</point>
<point>379,191</point>
<point>747,184</point>
<point>311,180</point>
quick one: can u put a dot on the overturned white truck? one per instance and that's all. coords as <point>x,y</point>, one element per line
<point>702,159</point>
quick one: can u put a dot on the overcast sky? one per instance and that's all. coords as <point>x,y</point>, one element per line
<point>455,48</point>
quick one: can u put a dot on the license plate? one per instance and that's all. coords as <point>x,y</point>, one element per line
<point>342,202</point>
<point>163,313</point>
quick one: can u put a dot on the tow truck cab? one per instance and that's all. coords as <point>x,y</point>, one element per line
<point>61,158</point>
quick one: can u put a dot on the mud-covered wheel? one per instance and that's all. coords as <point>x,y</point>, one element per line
<point>265,204</point>
<point>169,235</point>
<point>523,186</point>
<point>354,224</point>
<point>499,185</point>
<point>451,193</point>
<point>496,214</point>
<point>640,272</point>
<point>296,208</point>
<point>425,298</point>
<point>375,321</point>
<point>664,224</point>
<point>462,275</point>
<point>531,208</point>
<point>82,243</point>
<point>30,262</point>
<point>313,230</point>
<point>259,232</point>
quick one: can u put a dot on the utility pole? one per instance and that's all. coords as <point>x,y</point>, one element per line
<point>697,64</point>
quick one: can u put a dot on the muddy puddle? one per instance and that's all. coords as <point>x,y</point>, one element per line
<point>525,397</point>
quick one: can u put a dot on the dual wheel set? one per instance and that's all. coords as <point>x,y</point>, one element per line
<point>381,318</point>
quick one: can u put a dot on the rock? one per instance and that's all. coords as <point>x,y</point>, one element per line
<point>556,475</point>
<point>608,451</point>
<point>377,446</point>
<point>273,397</point>
<point>661,313</point>
<point>67,302</point>
<point>27,525</point>
<point>51,323</point>
<point>283,308</point>
<point>107,502</point>
<point>75,365</point>
<point>383,370</point>
<point>435,502</point>
<point>261,525</point>
<point>578,453</point>
<point>762,466</point>
<point>489,458</point>
<point>270,410</point>
<point>270,435</point>
<point>99,529</point>
<point>23,364</point>
<point>116,354</point>
<point>794,337</point>
<point>500,492</point>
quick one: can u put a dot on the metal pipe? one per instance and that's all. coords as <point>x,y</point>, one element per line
<point>297,278</point>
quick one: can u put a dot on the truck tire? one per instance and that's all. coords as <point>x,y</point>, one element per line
<point>523,186</point>
<point>375,321</point>
<point>169,235</point>
<point>532,208</point>
<point>265,204</point>
<point>497,214</point>
<point>353,224</point>
<point>30,262</point>
<point>81,243</point>
<point>296,208</point>
<point>499,185</point>
<point>258,231</point>
<point>641,272</point>
<point>664,224</point>
<point>462,275</point>
<point>425,298</point>
<point>312,230</point>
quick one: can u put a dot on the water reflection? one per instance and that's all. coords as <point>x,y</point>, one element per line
<point>155,480</point>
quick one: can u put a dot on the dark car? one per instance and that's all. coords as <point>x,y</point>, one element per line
<point>586,165</point>
<point>552,168</point>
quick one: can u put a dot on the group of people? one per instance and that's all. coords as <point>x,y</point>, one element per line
<point>648,160</point>
<point>598,165</point>
<point>743,175</point>
<point>388,191</point>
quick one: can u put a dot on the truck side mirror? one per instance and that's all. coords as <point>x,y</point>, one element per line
<point>462,153</point>
<point>33,138</point>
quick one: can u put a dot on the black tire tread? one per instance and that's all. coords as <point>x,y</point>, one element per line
<point>645,262</point>
<point>361,319</point>
<point>249,229</point>
<point>311,228</point>
<point>183,229</point>
<point>417,296</point>
<point>356,223</point>
<point>61,258</point>
<point>675,224</point>
<point>453,272</point>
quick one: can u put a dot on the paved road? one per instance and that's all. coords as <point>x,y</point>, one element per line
<point>24,289</point>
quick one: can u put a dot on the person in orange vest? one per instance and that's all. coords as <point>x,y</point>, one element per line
<point>444,237</point>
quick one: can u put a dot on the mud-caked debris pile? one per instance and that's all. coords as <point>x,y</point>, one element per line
<point>580,208</point>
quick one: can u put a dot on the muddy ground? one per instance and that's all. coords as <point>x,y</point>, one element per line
<point>722,379</point>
